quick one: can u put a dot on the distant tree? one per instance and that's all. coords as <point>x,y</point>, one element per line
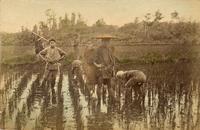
<point>73,19</point>
<point>64,23</point>
<point>136,20</point>
<point>51,19</point>
<point>158,16</point>
<point>147,24</point>
<point>149,29</point>
<point>100,23</point>
<point>66,20</point>
<point>25,37</point>
<point>22,28</point>
<point>80,21</point>
<point>147,17</point>
<point>35,28</point>
<point>152,23</point>
<point>44,29</point>
<point>175,15</point>
<point>60,23</point>
<point>54,26</point>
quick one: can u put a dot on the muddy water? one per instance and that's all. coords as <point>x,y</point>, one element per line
<point>171,101</point>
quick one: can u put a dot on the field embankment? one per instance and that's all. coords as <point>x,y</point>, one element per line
<point>140,53</point>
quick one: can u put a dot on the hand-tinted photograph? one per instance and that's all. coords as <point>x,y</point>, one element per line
<point>99,65</point>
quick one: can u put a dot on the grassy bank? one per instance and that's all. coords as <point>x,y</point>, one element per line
<point>19,60</point>
<point>29,59</point>
<point>151,58</point>
<point>141,54</point>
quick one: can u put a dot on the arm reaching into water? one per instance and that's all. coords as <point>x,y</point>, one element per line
<point>130,82</point>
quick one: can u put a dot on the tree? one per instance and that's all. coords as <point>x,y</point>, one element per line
<point>22,29</point>
<point>60,23</point>
<point>175,15</point>
<point>51,19</point>
<point>136,20</point>
<point>80,22</point>
<point>100,23</point>
<point>147,24</point>
<point>73,19</point>
<point>35,28</point>
<point>44,29</point>
<point>64,23</point>
<point>158,16</point>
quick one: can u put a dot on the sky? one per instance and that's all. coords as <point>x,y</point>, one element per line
<point>17,13</point>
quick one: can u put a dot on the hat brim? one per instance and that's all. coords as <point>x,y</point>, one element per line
<point>105,37</point>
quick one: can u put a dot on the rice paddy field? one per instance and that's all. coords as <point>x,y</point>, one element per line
<point>171,96</point>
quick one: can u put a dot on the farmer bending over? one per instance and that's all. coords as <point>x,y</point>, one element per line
<point>132,79</point>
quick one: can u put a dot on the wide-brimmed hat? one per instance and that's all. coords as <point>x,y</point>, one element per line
<point>105,37</point>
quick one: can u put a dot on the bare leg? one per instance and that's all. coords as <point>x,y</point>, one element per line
<point>99,87</point>
<point>138,92</point>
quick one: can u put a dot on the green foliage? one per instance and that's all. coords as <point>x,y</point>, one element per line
<point>124,61</point>
<point>100,23</point>
<point>19,60</point>
<point>68,59</point>
<point>152,57</point>
<point>150,29</point>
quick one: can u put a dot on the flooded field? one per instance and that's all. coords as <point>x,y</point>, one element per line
<point>171,102</point>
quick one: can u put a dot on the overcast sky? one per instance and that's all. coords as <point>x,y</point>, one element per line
<point>15,13</point>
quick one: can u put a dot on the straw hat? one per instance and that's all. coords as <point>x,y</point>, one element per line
<point>105,37</point>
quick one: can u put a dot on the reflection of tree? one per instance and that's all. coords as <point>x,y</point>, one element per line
<point>17,92</point>
<point>33,95</point>
<point>171,94</point>
<point>133,113</point>
<point>99,121</point>
<point>21,119</point>
<point>3,119</point>
<point>75,96</point>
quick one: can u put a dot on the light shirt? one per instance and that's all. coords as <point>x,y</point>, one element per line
<point>52,54</point>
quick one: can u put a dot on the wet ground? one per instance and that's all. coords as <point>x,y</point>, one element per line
<point>172,101</point>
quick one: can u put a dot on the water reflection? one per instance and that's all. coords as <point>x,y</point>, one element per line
<point>171,101</point>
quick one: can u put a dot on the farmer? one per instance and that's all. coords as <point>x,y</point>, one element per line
<point>104,62</point>
<point>52,55</point>
<point>131,79</point>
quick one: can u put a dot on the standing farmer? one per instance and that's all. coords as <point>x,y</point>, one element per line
<point>52,55</point>
<point>105,62</point>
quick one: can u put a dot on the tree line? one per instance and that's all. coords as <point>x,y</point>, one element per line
<point>149,29</point>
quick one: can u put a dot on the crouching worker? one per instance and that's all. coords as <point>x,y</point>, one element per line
<point>52,55</point>
<point>132,79</point>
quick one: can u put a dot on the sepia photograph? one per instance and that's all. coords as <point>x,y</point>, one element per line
<point>99,64</point>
